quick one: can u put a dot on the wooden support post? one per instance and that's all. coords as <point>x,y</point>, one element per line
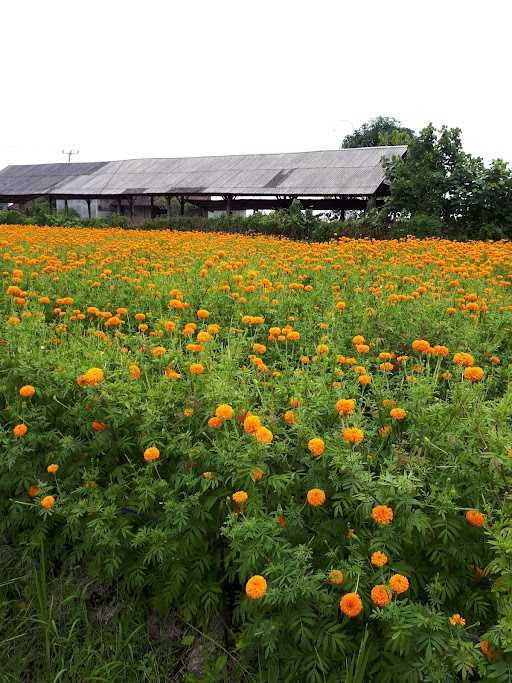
<point>371,202</point>
<point>119,207</point>
<point>228,204</point>
<point>152,206</point>
<point>50,203</point>
<point>182,205</point>
<point>131,206</point>
<point>65,207</point>
<point>88,208</point>
<point>168,199</point>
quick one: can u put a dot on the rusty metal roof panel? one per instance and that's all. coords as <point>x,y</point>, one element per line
<point>343,171</point>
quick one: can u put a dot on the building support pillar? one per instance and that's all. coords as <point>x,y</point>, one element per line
<point>88,208</point>
<point>182,205</point>
<point>228,204</point>
<point>66,209</point>
<point>131,207</point>
<point>371,202</point>
<point>119,207</point>
<point>168,200</point>
<point>152,207</point>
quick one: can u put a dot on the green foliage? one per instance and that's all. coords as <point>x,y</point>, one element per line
<point>130,542</point>
<point>380,131</point>
<point>437,178</point>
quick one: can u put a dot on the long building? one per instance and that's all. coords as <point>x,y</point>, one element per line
<point>342,179</point>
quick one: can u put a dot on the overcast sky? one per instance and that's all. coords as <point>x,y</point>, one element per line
<point>120,79</point>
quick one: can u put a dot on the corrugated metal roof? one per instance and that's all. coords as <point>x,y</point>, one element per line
<point>355,171</point>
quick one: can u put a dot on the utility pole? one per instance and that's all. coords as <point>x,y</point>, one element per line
<point>70,153</point>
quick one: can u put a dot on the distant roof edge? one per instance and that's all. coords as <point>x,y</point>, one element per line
<point>350,170</point>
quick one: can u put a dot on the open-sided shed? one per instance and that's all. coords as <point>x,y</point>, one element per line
<point>334,179</point>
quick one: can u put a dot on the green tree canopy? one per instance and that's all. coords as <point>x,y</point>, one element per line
<point>382,130</point>
<point>437,178</point>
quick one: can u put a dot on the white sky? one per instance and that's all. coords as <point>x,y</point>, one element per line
<point>122,79</point>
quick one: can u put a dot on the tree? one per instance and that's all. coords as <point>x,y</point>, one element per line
<point>382,130</point>
<point>437,178</point>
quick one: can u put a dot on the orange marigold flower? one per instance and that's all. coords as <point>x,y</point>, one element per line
<point>159,351</point>
<point>48,502</point>
<point>257,474</point>
<point>421,345</point>
<point>251,424</point>
<point>263,435</point>
<point>281,520</point>
<point>52,469</point>
<point>259,348</point>
<point>316,497</point>
<point>336,577</point>
<point>215,422</point>
<point>364,379</point>
<point>20,430</point>
<point>440,351</point>
<point>33,491</point>
<point>384,431</point>
<point>196,369</point>
<point>380,595</point>
<point>382,514</point>
<point>398,413</point>
<point>98,426</point>
<point>362,348</point>
<point>399,583</point>
<point>240,497</point>
<point>289,417</point>
<point>152,453</point>
<point>188,412</point>
<point>351,605</point>
<point>346,406</point>
<point>358,339</point>
<point>473,374</point>
<point>316,446</point>
<point>457,620</point>
<point>27,391</point>
<point>494,360</point>
<point>92,377</point>
<point>134,371</point>
<point>475,518</point>
<point>353,435</point>
<point>463,359</point>
<point>486,649</point>
<point>256,587</point>
<point>202,314</point>
<point>171,373</point>
<point>225,411</point>
<point>379,559</point>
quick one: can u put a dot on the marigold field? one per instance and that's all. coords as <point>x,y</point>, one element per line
<point>229,458</point>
